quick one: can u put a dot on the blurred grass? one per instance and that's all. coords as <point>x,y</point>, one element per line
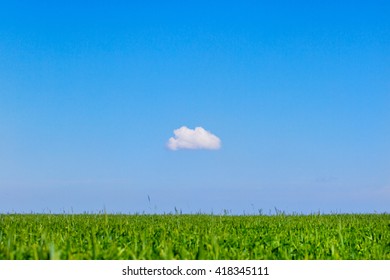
<point>279,237</point>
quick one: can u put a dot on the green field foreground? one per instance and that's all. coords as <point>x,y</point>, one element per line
<point>101,236</point>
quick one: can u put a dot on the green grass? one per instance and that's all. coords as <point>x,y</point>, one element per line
<point>194,237</point>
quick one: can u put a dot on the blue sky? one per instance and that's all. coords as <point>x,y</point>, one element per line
<point>298,93</point>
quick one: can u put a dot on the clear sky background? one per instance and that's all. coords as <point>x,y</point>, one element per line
<point>297,91</point>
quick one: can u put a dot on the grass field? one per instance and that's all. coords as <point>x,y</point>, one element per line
<point>194,236</point>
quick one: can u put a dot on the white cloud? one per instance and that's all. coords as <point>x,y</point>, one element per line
<point>198,138</point>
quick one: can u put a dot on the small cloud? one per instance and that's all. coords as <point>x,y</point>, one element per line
<point>198,138</point>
